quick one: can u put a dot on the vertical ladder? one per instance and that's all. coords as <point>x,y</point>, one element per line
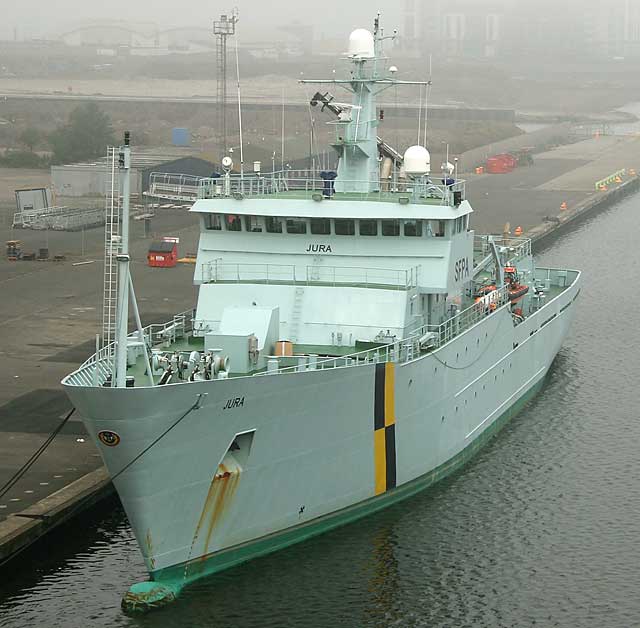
<point>296,314</point>
<point>111,248</point>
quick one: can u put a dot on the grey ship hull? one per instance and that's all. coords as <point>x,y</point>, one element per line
<point>327,446</point>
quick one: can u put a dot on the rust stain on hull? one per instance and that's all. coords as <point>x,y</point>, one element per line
<point>149,547</point>
<point>221,491</point>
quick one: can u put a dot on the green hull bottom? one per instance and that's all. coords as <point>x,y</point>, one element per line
<point>167,583</point>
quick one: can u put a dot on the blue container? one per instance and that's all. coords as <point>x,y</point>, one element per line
<point>180,136</point>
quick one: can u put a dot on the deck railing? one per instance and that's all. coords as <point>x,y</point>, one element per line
<point>96,370</point>
<point>399,279</point>
<point>305,184</point>
<point>515,247</point>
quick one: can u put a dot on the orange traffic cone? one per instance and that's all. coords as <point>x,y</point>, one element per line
<point>563,205</point>
<point>603,188</point>
<point>618,180</point>
<point>517,231</point>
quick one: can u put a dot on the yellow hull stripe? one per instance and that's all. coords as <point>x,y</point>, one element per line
<point>384,426</point>
<point>379,454</point>
<point>390,394</point>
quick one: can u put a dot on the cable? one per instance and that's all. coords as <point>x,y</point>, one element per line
<point>85,499</point>
<point>462,368</point>
<point>27,465</point>
<point>195,406</point>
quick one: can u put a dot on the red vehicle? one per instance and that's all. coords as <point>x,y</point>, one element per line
<point>501,164</point>
<point>163,253</point>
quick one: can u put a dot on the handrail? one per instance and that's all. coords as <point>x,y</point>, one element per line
<point>103,360</point>
<point>407,349</point>
<point>213,272</point>
<point>516,247</point>
<point>424,338</point>
<point>303,182</point>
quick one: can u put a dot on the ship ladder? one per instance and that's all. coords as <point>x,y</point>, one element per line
<point>111,249</point>
<point>296,314</point>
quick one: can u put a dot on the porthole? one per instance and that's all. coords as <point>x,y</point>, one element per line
<point>442,419</point>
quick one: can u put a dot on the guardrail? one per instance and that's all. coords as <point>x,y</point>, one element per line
<point>97,369</point>
<point>304,184</point>
<point>618,174</point>
<point>407,349</point>
<point>215,272</point>
<point>515,247</point>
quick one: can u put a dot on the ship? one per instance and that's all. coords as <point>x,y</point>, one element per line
<point>354,341</point>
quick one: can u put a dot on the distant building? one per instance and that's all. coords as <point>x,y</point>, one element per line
<point>574,29</point>
<point>455,27</point>
<point>90,178</point>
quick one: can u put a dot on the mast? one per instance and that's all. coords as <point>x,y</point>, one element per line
<point>123,259</point>
<point>356,128</point>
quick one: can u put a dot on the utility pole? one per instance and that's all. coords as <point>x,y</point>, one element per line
<point>223,28</point>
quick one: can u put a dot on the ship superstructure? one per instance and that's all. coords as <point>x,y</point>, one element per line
<point>353,342</point>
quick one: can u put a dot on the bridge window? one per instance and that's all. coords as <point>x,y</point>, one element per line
<point>273,225</point>
<point>390,227</point>
<point>253,224</point>
<point>413,228</point>
<point>296,225</point>
<point>233,222</point>
<point>440,229</point>
<point>321,226</point>
<point>344,227</point>
<point>213,221</point>
<point>368,227</point>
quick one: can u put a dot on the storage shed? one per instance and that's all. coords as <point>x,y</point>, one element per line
<point>163,253</point>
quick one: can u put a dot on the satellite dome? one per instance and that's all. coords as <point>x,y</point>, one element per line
<point>417,160</point>
<point>361,44</point>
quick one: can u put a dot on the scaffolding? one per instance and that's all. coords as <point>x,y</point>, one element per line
<point>59,218</point>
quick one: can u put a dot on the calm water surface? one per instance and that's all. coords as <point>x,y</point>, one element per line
<point>540,529</point>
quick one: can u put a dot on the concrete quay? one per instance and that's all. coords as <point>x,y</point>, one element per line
<point>51,313</point>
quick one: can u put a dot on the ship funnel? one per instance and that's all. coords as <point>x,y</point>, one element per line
<point>361,44</point>
<point>417,161</point>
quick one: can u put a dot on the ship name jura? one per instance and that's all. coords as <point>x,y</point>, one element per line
<point>371,373</point>
<point>319,248</point>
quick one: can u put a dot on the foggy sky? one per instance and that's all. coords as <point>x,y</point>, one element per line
<point>259,18</point>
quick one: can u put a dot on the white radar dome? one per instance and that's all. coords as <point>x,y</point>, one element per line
<point>417,160</point>
<point>361,44</point>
